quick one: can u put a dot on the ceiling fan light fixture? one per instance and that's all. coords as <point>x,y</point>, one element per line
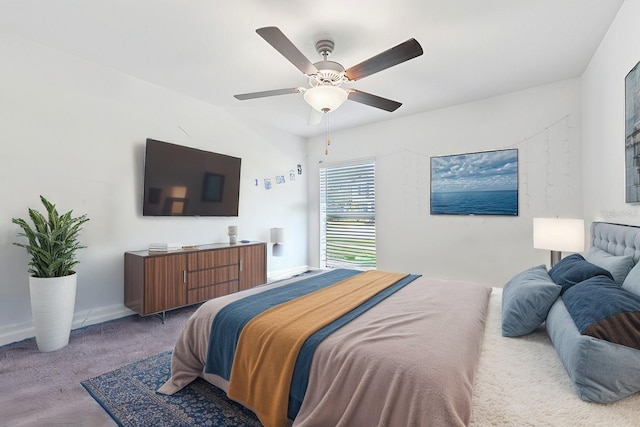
<point>325,98</point>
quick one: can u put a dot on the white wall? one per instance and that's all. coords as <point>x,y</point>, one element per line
<point>75,132</point>
<point>603,107</point>
<point>543,123</point>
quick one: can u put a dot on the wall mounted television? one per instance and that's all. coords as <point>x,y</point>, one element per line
<point>483,183</point>
<point>184,181</point>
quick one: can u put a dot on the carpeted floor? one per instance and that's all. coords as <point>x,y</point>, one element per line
<point>43,389</point>
<point>128,394</point>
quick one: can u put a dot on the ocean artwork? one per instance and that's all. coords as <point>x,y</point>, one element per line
<point>483,183</point>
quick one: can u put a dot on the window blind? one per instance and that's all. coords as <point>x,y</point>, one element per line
<point>348,216</point>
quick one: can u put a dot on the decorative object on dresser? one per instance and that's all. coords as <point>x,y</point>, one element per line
<point>155,282</point>
<point>233,234</point>
<point>52,245</point>
<point>558,235</point>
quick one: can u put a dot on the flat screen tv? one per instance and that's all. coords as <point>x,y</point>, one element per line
<point>184,181</point>
<point>484,183</point>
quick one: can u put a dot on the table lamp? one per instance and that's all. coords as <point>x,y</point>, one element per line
<point>558,235</point>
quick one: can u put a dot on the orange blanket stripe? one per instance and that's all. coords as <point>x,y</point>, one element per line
<point>269,344</point>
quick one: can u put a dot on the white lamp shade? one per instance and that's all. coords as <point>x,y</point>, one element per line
<point>277,235</point>
<point>558,234</point>
<point>325,98</point>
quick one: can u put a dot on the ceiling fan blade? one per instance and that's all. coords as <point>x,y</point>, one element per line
<point>373,100</point>
<point>266,93</point>
<point>315,117</point>
<point>390,57</point>
<point>282,44</point>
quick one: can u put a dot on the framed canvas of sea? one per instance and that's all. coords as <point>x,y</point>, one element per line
<point>482,183</point>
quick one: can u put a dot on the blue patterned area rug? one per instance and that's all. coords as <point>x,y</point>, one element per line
<point>128,395</point>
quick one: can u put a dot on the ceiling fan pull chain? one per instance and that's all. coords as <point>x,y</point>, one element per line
<point>326,117</point>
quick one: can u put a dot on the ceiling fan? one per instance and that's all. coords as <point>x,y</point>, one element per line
<point>326,77</point>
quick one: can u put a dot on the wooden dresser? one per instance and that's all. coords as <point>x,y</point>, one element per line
<point>155,282</point>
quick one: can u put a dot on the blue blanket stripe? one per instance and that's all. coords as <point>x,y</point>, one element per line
<point>231,319</point>
<point>300,377</point>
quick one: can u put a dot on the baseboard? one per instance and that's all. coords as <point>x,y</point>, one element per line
<point>22,331</point>
<point>99,315</point>
<point>285,274</point>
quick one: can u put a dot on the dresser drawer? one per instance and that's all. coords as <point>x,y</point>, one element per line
<point>212,276</point>
<point>208,292</point>
<point>209,259</point>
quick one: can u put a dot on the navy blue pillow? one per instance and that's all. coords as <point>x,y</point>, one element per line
<point>602,309</point>
<point>573,270</point>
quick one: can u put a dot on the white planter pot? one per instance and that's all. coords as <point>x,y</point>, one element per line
<point>53,301</point>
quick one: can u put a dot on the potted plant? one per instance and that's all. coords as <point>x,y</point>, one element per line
<point>52,242</point>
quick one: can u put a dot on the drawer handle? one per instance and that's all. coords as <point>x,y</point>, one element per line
<point>184,276</point>
<point>240,265</point>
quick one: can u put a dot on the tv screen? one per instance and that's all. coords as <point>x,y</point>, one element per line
<point>484,183</point>
<point>184,181</point>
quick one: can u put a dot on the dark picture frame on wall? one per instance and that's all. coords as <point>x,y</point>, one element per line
<point>632,135</point>
<point>481,183</point>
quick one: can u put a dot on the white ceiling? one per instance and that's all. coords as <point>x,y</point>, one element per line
<point>209,50</point>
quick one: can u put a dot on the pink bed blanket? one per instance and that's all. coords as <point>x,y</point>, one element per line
<point>410,360</point>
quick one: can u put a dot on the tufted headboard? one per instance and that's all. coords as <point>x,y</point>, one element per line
<point>616,239</point>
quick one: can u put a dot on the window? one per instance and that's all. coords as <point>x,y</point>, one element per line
<point>348,216</point>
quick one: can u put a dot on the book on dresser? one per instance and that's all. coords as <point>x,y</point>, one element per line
<point>156,281</point>
<point>164,247</point>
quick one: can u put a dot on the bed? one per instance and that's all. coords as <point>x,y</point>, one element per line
<point>432,352</point>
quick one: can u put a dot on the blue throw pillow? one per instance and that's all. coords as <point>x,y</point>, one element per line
<point>526,300</point>
<point>602,309</point>
<point>632,281</point>
<point>575,269</point>
<point>618,265</point>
